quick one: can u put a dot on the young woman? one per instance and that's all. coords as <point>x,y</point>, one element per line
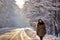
<point>41,29</point>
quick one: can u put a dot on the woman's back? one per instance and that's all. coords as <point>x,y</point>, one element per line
<point>41,29</point>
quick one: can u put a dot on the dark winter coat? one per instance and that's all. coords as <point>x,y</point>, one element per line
<point>41,29</point>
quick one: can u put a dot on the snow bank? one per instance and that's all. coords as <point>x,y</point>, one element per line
<point>50,37</point>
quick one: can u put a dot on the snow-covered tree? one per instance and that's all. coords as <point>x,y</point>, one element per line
<point>9,16</point>
<point>47,10</point>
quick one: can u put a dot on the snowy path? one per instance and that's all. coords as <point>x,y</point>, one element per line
<point>15,34</point>
<point>23,34</point>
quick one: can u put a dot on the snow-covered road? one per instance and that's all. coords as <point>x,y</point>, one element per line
<point>23,34</point>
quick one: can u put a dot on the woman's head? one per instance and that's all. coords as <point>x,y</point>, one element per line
<point>40,21</point>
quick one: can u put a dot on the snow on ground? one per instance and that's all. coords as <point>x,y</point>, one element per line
<point>50,37</point>
<point>24,34</point>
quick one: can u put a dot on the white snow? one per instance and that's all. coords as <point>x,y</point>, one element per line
<point>25,34</point>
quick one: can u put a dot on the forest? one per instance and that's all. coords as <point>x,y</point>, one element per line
<point>19,18</point>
